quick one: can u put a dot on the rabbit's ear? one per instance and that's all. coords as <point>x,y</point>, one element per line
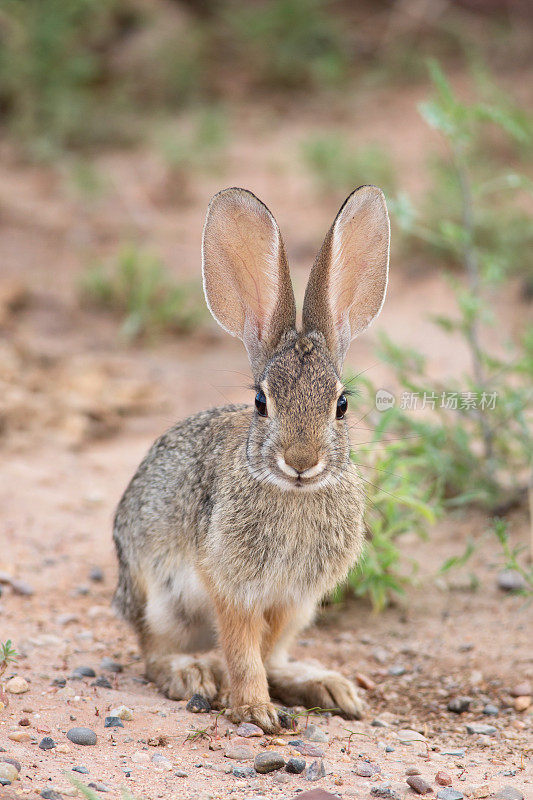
<point>246,275</point>
<point>348,281</point>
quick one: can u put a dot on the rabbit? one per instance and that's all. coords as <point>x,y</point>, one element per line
<point>240,519</point>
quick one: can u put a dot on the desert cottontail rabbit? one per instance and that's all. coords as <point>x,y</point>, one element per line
<point>240,519</point>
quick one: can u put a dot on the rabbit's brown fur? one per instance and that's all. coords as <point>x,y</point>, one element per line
<point>235,525</point>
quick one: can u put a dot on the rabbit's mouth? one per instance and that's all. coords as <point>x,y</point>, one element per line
<point>307,478</point>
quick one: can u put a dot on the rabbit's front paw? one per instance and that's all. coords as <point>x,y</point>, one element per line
<point>264,715</point>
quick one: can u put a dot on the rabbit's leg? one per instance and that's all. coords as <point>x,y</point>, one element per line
<point>299,683</point>
<point>180,675</point>
<point>241,632</point>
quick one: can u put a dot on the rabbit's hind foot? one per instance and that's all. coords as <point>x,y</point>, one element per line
<point>179,675</point>
<point>296,683</point>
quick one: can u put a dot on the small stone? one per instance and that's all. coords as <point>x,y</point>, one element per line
<point>5,782</point>
<point>307,749</point>
<point>51,794</point>
<point>456,753</point>
<point>480,791</point>
<point>83,672</point>
<point>100,787</point>
<point>311,794</point>
<point>140,757</point>
<point>384,791</point>
<point>315,771</point>
<point>314,734</point>
<point>113,722</point>
<point>380,655</point>
<point>521,689</point>
<point>17,685</point>
<point>248,729</point>
<point>96,575</point>
<point>379,723</point>
<point>70,791</point>
<point>123,712</point>
<point>109,665</point>
<point>407,735</point>
<point>278,742</point>
<point>509,793</point>
<point>449,794</point>
<point>22,588</point>
<point>82,736</point>
<point>47,743</point>
<point>389,749</point>
<point>510,580</point>
<point>364,682</point>
<point>458,705</point>
<point>397,670</point>
<point>490,710</point>
<point>8,772</point>
<point>412,771</point>
<point>103,682</point>
<point>295,765</point>
<point>24,722</point>
<point>161,762</point>
<point>66,619</point>
<point>61,682</point>
<point>19,736</point>
<point>522,702</point>
<point>81,770</point>
<point>239,752</point>
<point>12,761</point>
<point>268,761</point>
<point>443,779</point>
<point>365,769</point>
<point>481,729</point>
<point>418,784</point>
<point>243,772</point>
<point>198,704</point>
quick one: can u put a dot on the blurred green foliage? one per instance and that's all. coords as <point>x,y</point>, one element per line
<point>338,167</point>
<point>137,287</point>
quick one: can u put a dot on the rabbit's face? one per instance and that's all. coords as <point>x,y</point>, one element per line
<point>298,437</point>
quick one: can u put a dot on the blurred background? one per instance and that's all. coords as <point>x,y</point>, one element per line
<point>120,118</point>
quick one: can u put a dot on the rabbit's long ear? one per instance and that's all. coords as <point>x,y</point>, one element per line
<point>246,275</point>
<point>348,281</point>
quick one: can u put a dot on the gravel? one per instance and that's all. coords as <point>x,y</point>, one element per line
<point>491,710</point>
<point>295,765</point>
<point>122,712</point>
<point>108,665</point>
<point>17,685</point>
<point>509,793</point>
<point>481,729</point>
<point>418,784</point>
<point>458,705</point>
<point>243,772</point>
<point>103,682</point>
<point>96,575</point>
<point>315,770</point>
<point>307,749</point>
<point>239,752</point>
<point>99,787</point>
<point>248,729</point>
<point>113,722</point>
<point>198,704</point>
<point>314,734</point>
<point>81,770</point>
<point>83,672</point>
<point>449,794</point>
<point>268,761</point>
<point>47,743</point>
<point>82,736</point>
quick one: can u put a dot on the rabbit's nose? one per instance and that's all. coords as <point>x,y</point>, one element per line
<point>300,458</point>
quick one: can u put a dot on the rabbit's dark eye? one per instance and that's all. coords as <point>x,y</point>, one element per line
<point>261,404</point>
<point>342,406</point>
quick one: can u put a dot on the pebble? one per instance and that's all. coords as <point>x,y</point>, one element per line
<point>379,723</point>
<point>103,682</point>
<point>83,672</point>
<point>81,770</point>
<point>17,685</point>
<point>19,736</point>
<point>140,757</point>
<point>243,772</point>
<point>456,753</point>
<point>109,665</point>
<point>412,771</point>
<point>47,743</point>
<point>449,794</point>
<point>22,588</point>
<point>443,779</point>
<point>314,734</point>
<point>407,735</point>
<point>384,791</point>
<point>96,575</point>
<point>8,772</point>
<point>123,712</point>
<point>181,774</point>
<point>268,761</point>
<point>161,761</point>
<point>83,736</point>
<point>481,729</point>
<point>248,729</point>
<point>365,769</point>
<point>480,791</point>
<point>307,749</point>
<point>295,765</point>
<point>389,749</point>
<point>522,702</point>
<point>458,705</point>
<point>113,722</point>
<point>364,682</point>
<point>510,580</point>
<point>397,670</point>
<point>239,752</point>
<point>491,710</point>
<point>12,761</point>
<point>50,794</point>
<point>509,793</point>
<point>100,787</point>
<point>315,771</point>
<point>521,689</point>
<point>418,784</point>
<point>198,704</point>
<point>61,682</point>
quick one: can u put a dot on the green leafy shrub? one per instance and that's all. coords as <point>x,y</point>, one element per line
<point>8,655</point>
<point>137,287</point>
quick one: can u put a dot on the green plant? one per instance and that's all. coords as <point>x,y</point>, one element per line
<point>289,44</point>
<point>90,794</point>
<point>511,555</point>
<point>137,287</point>
<point>339,167</point>
<point>8,655</point>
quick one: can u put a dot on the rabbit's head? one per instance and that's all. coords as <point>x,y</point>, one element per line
<point>298,436</point>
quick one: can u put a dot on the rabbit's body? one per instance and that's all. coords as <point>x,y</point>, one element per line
<point>239,520</point>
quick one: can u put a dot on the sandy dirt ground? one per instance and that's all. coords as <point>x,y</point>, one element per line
<point>78,411</point>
